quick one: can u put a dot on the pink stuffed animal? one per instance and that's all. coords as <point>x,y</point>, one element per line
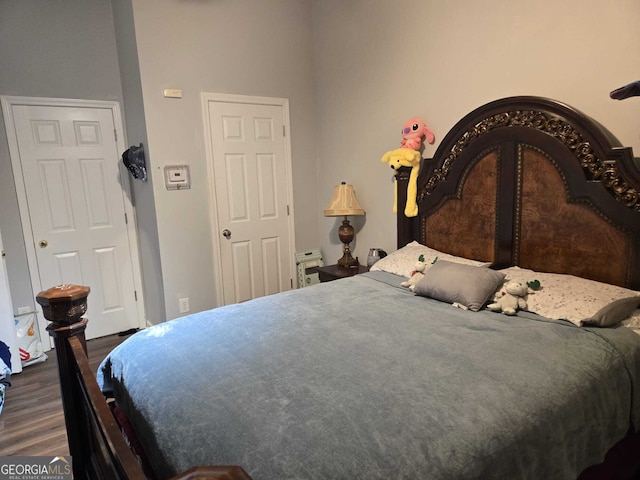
<point>412,133</point>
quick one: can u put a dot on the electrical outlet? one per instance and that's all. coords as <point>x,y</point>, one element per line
<point>183,304</point>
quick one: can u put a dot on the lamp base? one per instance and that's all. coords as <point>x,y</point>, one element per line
<point>348,261</point>
<point>346,234</point>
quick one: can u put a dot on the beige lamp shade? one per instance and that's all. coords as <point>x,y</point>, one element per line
<point>343,202</point>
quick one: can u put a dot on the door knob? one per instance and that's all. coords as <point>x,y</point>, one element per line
<point>43,244</point>
<point>226,233</point>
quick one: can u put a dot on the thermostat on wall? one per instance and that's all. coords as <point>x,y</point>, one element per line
<point>176,177</point>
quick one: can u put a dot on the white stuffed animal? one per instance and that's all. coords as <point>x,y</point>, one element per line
<point>416,275</point>
<point>510,298</point>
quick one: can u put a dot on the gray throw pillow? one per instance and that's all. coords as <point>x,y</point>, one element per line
<point>457,283</point>
<point>614,312</point>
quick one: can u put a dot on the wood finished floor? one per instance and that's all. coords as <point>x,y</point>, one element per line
<point>32,422</point>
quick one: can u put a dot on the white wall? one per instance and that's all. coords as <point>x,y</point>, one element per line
<point>381,62</point>
<point>142,191</point>
<point>353,70</point>
<point>57,48</point>
<point>78,49</point>
<point>248,47</point>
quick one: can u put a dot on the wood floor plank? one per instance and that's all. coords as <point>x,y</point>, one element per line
<point>32,422</point>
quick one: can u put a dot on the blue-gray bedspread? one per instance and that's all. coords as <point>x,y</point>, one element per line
<point>359,378</point>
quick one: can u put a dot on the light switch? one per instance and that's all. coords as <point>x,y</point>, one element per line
<point>176,177</point>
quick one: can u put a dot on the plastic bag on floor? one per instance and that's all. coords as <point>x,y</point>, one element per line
<point>29,344</point>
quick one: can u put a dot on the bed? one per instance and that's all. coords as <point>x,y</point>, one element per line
<point>365,378</point>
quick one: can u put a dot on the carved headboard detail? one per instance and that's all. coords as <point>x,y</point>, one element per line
<point>532,182</point>
<point>597,169</point>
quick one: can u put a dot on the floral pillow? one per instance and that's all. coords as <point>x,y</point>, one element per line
<point>403,261</point>
<point>579,300</point>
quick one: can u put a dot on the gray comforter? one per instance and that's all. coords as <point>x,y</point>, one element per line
<point>359,378</point>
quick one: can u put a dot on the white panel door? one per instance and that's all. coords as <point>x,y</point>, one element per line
<point>76,207</point>
<point>251,179</point>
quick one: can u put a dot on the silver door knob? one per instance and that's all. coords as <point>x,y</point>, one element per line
<point>226,233</point>
<point>43,244</point>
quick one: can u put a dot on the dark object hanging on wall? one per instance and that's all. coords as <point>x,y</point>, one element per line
<point>629,90</point>
<point>133,159</point>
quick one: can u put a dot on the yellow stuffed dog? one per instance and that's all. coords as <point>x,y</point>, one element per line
<point>405,157</point>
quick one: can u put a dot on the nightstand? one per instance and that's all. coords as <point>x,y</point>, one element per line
<point>335,272</point>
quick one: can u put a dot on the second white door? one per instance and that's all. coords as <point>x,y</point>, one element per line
<point>251,182</point>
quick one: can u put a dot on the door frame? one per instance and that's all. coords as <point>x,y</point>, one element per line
<point>207,98</point>
<point>8,102</point>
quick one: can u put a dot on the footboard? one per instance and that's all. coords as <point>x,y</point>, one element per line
<point>97,446</point>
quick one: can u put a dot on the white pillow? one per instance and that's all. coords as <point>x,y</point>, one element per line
<point>403,261</point>
<point>569,297</point>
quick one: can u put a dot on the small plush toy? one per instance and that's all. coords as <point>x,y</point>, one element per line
<point>405,157</point>
<point>510,298</point>
<point>416,275</point>
<point>412,133</point>
<point>534,284</point>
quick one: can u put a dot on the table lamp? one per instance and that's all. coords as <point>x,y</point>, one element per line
<point>342,204</point>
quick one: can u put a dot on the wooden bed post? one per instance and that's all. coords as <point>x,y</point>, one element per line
<point>97,447</point>
<point>405,225</point>
<point>64,306</point>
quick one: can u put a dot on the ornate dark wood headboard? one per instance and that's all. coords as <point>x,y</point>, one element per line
<point>531,182</point>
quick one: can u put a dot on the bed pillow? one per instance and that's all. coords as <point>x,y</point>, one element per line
<point>579,300</point>
<point>403,261</point>
<point>614,312</point>
<point>467,285</point>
